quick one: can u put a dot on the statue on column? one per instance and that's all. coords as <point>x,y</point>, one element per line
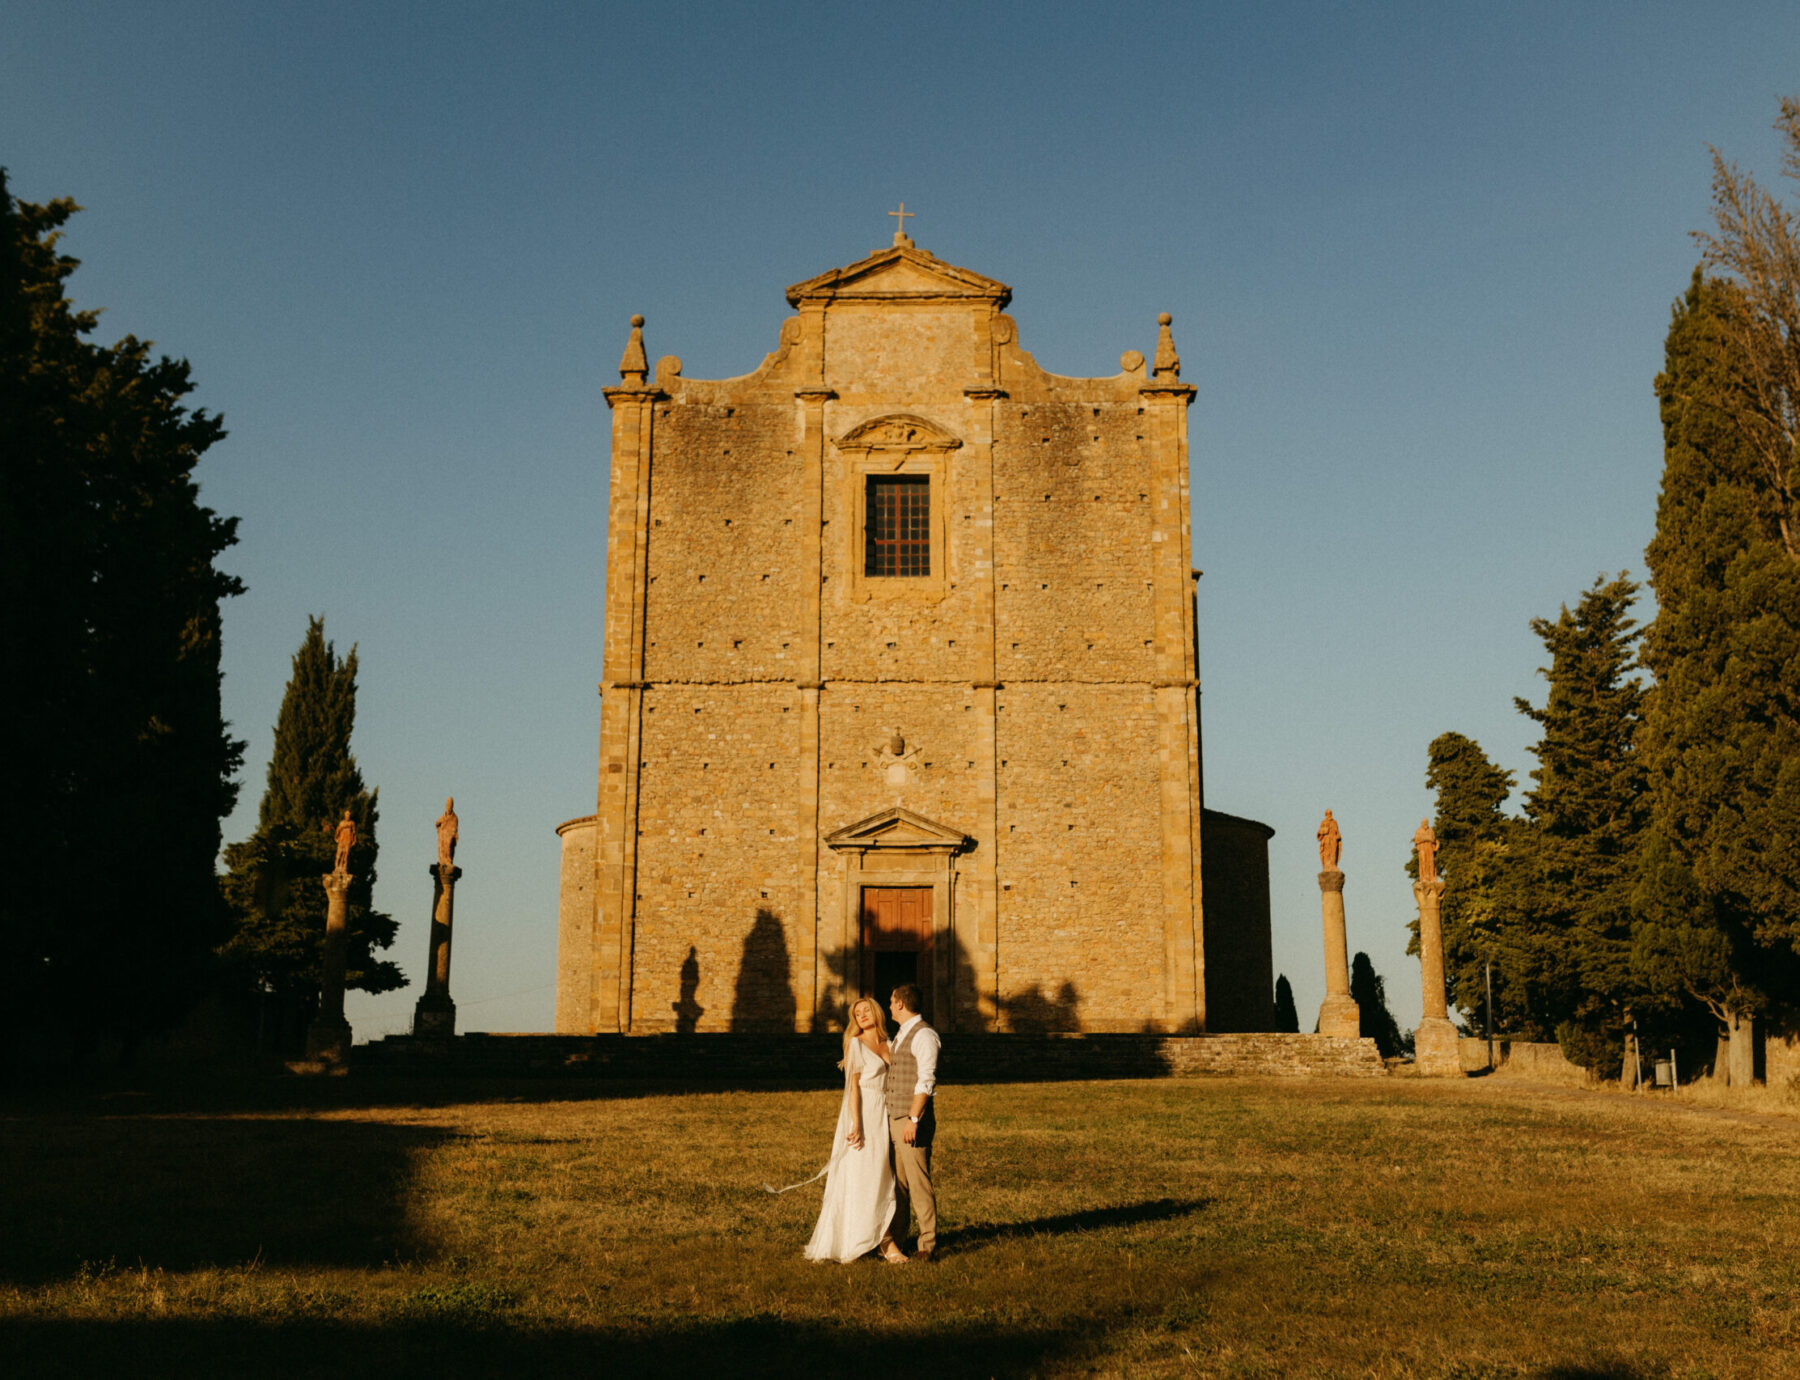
<point>1331,844</point>
<point>1427,844</point>
<point>345,833</point>
<point>447,835</point>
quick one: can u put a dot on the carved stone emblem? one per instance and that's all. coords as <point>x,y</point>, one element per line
<point>898,757</point>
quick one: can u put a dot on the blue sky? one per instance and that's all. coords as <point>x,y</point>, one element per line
<point>1420,259</point>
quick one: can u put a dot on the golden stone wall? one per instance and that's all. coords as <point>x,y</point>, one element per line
<point>1016,730</point>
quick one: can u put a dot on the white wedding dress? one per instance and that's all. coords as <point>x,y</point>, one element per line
<point>859,1184</point>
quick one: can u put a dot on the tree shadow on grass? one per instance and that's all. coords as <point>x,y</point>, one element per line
<point>183,1192</point>
<point>445,1349</point>
<point>1089,1219</point>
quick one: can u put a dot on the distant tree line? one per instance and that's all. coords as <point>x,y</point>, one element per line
<point>1648,887</point>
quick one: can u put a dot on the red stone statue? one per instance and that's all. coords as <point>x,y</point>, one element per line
<point>447,835</point>
<point>1426,842</point>
<point>345,833</point>
<point>1331,844</point>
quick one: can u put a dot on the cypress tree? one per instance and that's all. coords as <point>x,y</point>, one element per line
<point>1583,821</point>
<point>1477,843</point>
<point>118,760</point>
<point>1722,726</point>
<point>1287,1019</point>
<point>273,883</point>
<point>1376,1022</point>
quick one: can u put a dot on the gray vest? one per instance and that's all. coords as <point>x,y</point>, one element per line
<point>903,1076</point>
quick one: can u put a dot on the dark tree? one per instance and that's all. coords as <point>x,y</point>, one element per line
<point>1721,739</point>
<point>118,763</point>
<point>1287,1019</point>
<point>1584,820</point>
<point>1477,844</point>
<point>274,883</point>
<point>1377,1023</point>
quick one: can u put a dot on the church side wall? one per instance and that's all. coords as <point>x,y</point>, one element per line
<point>714,947</point>
<point>576,900</point>
<point>724,593</point>
<point>1072,544</point>
<point>1240,965</point>
<point>1081,910</point>
<point>1080,890</point>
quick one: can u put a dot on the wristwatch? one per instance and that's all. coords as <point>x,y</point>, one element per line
<point>913,1119</point>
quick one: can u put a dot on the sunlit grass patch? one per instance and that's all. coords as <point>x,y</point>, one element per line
<point>1218,1228</point>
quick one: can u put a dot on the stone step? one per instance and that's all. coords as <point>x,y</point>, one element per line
<point>809,1060</point>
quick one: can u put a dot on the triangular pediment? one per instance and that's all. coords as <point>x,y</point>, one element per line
<point>897,827</point>
<point>900,274</point>
<point>897,431</point>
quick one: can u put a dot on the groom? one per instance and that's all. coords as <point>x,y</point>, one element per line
<point>911,1081</point>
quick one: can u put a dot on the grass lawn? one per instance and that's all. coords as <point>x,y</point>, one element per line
<point>1220,1228</point>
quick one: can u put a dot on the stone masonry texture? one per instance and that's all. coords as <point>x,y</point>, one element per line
<point>1015,730</point>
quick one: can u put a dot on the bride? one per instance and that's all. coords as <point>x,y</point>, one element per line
<point>859,1182</point>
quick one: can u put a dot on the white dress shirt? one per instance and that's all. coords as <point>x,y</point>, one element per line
<point>925,1048</point>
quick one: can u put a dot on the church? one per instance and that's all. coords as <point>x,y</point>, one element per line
<point>900,683</point>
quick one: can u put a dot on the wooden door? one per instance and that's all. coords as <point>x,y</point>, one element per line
<point>896,941</point>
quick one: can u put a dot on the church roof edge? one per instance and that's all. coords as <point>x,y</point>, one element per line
<point>911,274</point>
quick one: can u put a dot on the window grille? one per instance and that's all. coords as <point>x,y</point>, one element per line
<point>899,525</point>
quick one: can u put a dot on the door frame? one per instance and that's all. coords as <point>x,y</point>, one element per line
<point>898,848</point>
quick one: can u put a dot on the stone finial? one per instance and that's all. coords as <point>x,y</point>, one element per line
<point>633,366</point>
<point>1168,363</point>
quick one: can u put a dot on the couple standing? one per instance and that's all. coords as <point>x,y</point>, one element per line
<point>880,1170</point>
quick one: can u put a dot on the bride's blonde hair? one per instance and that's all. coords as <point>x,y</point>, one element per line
<point>851,1029</point>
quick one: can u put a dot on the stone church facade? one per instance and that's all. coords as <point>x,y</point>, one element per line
<point>900,683</point>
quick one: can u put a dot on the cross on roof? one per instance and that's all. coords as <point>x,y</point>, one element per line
<point>901,215</point>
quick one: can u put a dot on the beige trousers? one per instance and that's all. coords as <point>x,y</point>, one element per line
<point>913,1192</point>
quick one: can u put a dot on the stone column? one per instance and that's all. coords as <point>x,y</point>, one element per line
<point>1434,1043</point>
<point>1338,1014</point>
<point>328,1037</point>
<point>434,1018</point>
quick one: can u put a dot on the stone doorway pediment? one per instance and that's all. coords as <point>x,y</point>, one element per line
<point>898,827</point>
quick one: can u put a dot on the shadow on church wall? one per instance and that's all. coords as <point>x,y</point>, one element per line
<point>688,1011</point>
<point>764,999</point>
<point>1032,1011</point>
<point>1037,1012</point>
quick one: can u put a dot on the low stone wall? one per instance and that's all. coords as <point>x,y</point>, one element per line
<point>1542,1062</point>
<point>810,1060</point>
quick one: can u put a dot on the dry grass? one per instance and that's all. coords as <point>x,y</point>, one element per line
<point>1218,1228</point>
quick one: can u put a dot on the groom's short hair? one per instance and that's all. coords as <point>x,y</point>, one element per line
<point>908,995</point>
